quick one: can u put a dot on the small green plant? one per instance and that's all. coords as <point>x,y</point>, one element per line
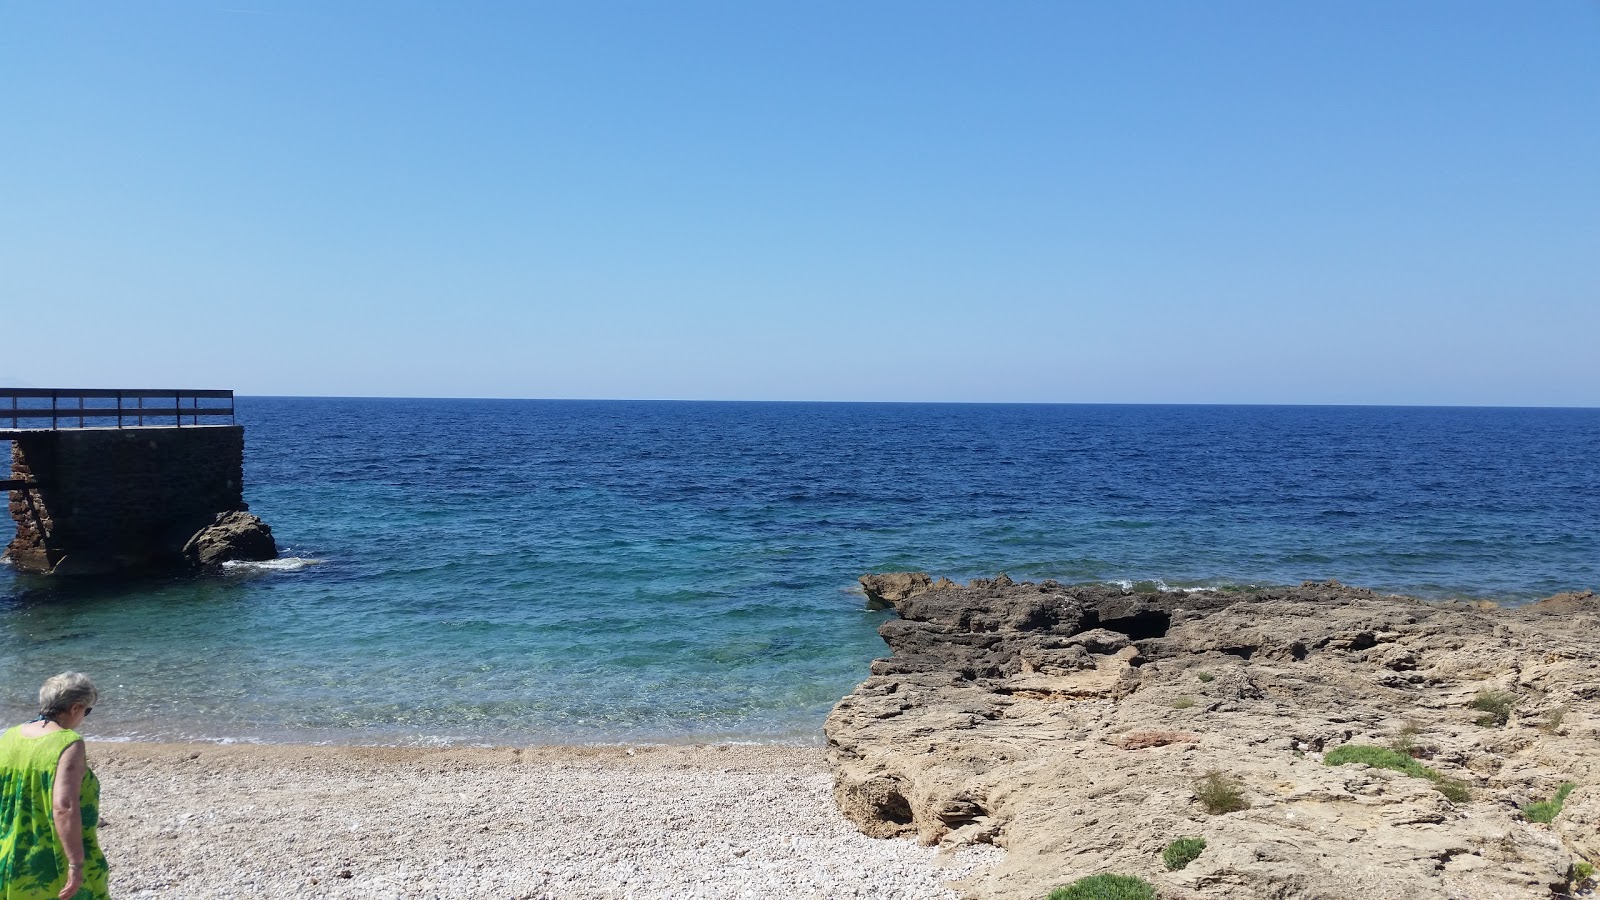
<point>1182,851</point>
<point>1105,887</point>
<point>1496,707</point>
<point>1182,702</point>
<point>1405,740</point>
<point>1376,757</point>
<point>1553,720</point>
<point>1581,872</point>
<point>1206,677</point>
<point>1220,793</point>
<point>1546,810</point>
<point>1453,789</point>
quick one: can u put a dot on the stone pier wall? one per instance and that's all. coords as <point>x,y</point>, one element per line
<point>110,499</point>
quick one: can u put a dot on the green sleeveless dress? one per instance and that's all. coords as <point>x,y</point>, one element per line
<point>32,865</point>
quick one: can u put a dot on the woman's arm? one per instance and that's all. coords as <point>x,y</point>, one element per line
<point>65,797</point>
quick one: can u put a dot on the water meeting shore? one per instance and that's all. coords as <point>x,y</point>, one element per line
<point>1317,742</point>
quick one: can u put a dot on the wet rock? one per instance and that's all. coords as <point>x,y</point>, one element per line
<point>231,536</point>
<point>895,586</point>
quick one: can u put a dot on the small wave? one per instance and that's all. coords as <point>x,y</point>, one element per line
<point>1159,585</point>
<point>1165,588</point>
<point>284,564</point>
<point>137,736</point>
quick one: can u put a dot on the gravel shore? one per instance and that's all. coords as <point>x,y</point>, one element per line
<point>253,821</point>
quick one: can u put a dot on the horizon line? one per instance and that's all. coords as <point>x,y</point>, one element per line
<point>918,402</point>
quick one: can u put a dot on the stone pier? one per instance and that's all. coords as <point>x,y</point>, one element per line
<point>103,500</point>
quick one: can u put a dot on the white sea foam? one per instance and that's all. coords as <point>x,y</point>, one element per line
<point>1165,588</point>
<point>283,564</point>
<point>1127,584</point>
<point>140,736</point>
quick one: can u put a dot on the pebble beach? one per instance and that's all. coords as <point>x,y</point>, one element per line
<point>279,821</point>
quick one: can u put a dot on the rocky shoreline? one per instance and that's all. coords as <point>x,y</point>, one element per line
<point>1084,729</point>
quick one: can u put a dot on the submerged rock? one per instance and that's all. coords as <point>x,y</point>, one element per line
<point>1073,726</point>
<point>231,536</point>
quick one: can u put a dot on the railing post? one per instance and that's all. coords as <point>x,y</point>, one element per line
<point>177,406</point>
<point>119,409</point>
<point>53,424</point>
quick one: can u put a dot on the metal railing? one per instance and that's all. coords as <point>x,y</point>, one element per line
<point>127,407</point>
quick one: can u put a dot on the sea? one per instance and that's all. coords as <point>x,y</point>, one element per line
<point>483,572</point>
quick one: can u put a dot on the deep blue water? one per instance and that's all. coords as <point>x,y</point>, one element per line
<point>490,571</point>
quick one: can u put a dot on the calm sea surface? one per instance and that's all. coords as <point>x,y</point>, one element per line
<point>570,571</point>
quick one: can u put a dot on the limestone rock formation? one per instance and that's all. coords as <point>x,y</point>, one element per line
<point>231,536</point>
<point>1071,725</point>
<point>892,587</point>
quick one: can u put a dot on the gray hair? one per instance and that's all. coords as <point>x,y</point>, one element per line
<point>60,692</point>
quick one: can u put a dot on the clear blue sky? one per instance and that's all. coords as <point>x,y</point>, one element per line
<point>1355,202</point>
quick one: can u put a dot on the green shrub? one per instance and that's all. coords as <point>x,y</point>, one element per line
<point>1182,851</point>
<point>1105,887</point>
<point>1546,810</point>
<point>1496,707</point>
<point>1376,757</point>
<point>1453,789</point>
<point>1220,793</point>
<point>1581,872</point>
<point>1205,677</point>
<point>1182,702</point>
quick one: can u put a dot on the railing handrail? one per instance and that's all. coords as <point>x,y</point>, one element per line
<point>112,393</point>
<point>82,412</point>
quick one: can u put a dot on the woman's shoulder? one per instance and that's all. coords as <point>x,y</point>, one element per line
<point>63,738</point>
<point>16,740</point>
<point>12,747</point>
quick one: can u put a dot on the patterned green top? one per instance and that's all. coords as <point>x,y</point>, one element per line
<point>32,864</point>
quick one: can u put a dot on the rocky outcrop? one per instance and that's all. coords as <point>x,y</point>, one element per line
<point>892,587</point>
<point>1071,725</point>
<point>231,536</point>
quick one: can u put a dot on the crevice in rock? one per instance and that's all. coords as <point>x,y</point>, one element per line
<point>894,808</point>
<point>1363,641</point>
<point>1142,625</point>
<point>959,810</point>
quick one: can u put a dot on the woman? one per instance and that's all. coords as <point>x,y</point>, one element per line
<point>50,801</point>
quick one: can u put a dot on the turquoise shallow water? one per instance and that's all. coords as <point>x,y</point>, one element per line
<point>493,571</point>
